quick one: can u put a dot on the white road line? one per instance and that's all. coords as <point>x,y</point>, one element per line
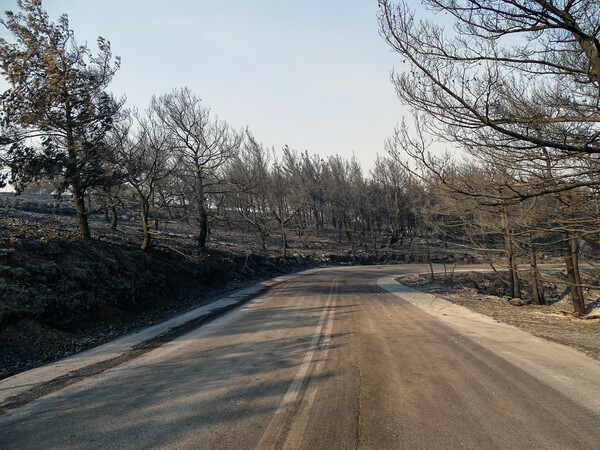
<point>273,431</point>
<point>299,426</point>
<point>565,369</point>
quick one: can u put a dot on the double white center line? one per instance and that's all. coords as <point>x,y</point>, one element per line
<point>289,404</point>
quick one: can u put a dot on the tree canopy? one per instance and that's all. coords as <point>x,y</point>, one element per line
<point>512,77</point>
<point>58,99</point>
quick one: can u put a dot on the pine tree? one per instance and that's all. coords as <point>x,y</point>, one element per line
<point>57,111</point>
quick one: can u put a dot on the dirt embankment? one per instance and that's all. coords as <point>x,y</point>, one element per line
<point>60,295</point>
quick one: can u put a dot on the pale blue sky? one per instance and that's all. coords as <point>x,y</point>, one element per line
<point>312,74</point>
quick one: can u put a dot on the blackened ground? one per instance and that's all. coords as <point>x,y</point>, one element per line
<point>60,295</point>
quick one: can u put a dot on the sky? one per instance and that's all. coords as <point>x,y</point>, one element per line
<point>310,74</point>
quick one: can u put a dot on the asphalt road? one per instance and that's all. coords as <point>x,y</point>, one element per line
<point>330,360</point>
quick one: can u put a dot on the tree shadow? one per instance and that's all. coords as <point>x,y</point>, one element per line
<point>592,305</point>
<point>236,374</point>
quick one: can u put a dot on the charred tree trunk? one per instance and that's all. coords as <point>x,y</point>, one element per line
<point>113,217</point>
<point>402,227</point>
<point>374,240</point>
<point>515,285</point>
<point>144,215</point>
<point>263,242</point>
<point>202,225</point>
<point>318,218</point>
<point>80,210</point>
<point>576,297</point>
<point>145,226</point>
<point>428,257</point>
<point>348,231</point>
<point>200,208</point>
<point>284,243</point>
<point>75,179</point>
<point>575,256</point>
<point>571,260</point>
<point>537,287</point>
<point>570,254</point>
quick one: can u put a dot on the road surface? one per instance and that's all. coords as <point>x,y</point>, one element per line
<point>328,360</point>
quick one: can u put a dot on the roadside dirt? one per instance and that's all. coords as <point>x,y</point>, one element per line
<point>485,293</point>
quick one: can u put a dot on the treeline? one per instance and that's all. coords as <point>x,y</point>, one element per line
<point>465,205</point>
<point>177,159</point>
<point>269,193</point>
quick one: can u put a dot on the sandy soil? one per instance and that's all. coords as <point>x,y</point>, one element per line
<point>484,293</point>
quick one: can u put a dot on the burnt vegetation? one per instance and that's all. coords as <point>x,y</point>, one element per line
<point>122,218</point>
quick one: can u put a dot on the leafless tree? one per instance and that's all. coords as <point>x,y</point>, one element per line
<point>313,185</point>
<point>341,176</point>
<point>203,144</point>
<point>515,75</point>
<point>145,152</point>
<point>516,84</point>
<point>392,179</point>
<point>290,190</point>
<point>249,196</point>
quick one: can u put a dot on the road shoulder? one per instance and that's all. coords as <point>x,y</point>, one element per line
<point>36,383</point>
<point>567,370</point>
